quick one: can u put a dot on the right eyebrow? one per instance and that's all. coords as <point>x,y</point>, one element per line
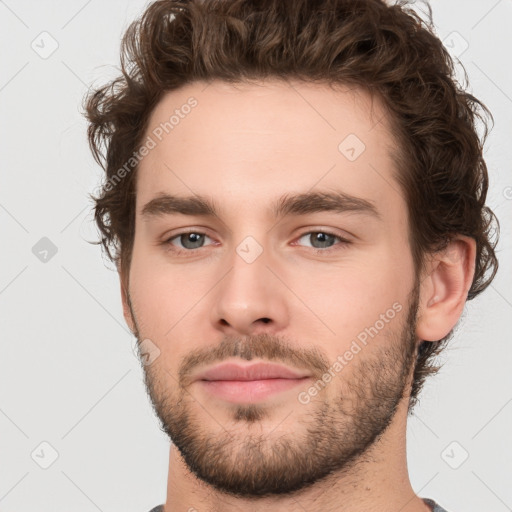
<point>166,204</point>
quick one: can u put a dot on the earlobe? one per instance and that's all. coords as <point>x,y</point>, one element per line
<point>445,288</point>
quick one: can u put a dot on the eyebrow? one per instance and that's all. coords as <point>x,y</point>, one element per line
<point>296,204</point>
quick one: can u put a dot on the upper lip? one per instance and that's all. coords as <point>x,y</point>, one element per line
<point>255,371</point>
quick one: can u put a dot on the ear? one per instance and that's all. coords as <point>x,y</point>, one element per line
<point>127,313</point>
<point>445,287</point>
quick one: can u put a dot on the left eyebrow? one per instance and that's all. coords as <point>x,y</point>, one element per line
<point>287,205</point>
<point>312,202</point>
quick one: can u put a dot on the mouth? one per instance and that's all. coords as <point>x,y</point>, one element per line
<point>249,383</point>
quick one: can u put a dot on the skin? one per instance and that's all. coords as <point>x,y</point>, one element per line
<point>244,147</point>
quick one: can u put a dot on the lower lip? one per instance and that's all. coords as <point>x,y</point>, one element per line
<point>250,390</point>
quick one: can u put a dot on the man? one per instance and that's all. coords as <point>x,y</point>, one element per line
<point>295,200</point>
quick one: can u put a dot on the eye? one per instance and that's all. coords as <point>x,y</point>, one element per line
<point>187,242</point>
<point>323,240</point>
<point>319,241</point>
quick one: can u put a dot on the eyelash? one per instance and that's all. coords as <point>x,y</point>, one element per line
<point>343,242</point>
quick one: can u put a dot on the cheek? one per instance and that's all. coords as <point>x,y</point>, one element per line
<point>159,297</point>
<point>352,296</point>
<point>169,300</point>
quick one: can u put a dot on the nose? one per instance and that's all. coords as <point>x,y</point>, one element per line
<point>249,299</point>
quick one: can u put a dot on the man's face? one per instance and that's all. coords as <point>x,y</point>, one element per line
<point>327,290</point>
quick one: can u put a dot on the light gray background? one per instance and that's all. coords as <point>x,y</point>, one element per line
<point>68,376</point>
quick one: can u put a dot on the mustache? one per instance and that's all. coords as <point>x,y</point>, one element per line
<point>264,346</point>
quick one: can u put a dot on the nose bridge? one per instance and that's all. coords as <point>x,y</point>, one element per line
<point>247,281</point>
<point>249,294</point>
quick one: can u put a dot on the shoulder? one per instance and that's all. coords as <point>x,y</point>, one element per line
<point>433,505</point>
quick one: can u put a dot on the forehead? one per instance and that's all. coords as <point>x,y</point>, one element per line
<point>248,142</point>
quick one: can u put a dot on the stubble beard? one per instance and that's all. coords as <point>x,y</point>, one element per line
<point>331,436</point>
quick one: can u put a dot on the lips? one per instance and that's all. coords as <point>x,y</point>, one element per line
<point>249,383</point>
<point>255,371</point>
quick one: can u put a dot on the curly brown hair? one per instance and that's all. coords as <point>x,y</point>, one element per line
<point>388,50</point>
